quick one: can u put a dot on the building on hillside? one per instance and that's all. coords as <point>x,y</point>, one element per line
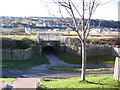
<point>96,30</point>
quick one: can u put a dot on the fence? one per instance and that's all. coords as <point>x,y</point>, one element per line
<point>23,54</point>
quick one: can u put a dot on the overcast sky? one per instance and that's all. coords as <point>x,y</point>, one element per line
<point>28,8</point>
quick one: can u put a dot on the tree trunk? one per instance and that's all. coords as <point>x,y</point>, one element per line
<point>83,73</point>
<point>83,47</point>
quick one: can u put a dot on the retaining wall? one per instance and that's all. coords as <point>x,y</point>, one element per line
<point>23,54</point>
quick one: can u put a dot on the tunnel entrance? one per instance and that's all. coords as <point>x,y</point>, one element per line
<point>48,50</point>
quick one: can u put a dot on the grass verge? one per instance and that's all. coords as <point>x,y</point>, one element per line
<point>26,64</point>
<point>75,59</point>
<point>7,79</point>
<point>98,81</point>
<point>77,69</point>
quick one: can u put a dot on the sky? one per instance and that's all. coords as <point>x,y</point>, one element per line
<point>26,8</point>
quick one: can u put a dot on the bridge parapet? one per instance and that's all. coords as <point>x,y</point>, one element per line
<point>49,36</point>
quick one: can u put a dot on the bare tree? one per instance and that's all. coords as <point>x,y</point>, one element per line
<point>80,11</point>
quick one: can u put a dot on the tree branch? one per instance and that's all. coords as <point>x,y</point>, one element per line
<point>77,10</point>
<point>91,11</point>
<point>73,16</point>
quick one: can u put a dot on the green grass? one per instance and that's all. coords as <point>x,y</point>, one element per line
<point>77,69</point>
<point>26,64</point>
<point>7,79</point>
<point>98,81</point>
<point>75,59</point>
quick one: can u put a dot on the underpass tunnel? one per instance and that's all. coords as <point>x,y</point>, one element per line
<point>48,50</point>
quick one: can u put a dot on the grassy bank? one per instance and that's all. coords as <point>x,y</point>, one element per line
<point>75,59</point>
<point>7,79</point>
<point>26,64</point>
<point>99,81</point>
<point>77,69</point>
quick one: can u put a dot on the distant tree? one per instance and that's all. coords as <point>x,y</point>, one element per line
<point>9,43</point>
<point>18,30</point>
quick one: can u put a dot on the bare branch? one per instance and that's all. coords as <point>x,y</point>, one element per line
<point>73,28</point>
<point>64,4</point>
<point>77,10</point>
<point>87,27</point>
<point>68,12</point>
<point>77,24</point>
<point>73,16</point>
<point>106,2</point>
<point>91,11</point>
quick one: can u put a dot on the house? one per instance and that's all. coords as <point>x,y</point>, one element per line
<point>96,30</point>
<point>57,30</point>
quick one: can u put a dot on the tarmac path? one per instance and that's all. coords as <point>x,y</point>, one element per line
<point>41,71</point>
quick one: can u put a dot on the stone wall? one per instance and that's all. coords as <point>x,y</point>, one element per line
<point>99,50</point>
<point>92,50</point>
<point>23,54</point>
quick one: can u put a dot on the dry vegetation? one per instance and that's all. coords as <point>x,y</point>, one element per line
<point>103,39</point>
<point>100,40</point>
<point>19,37</point>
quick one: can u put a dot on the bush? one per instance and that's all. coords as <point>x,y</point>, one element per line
<point>105,41</point>
<point>18,30</point>
<point>8,43</point>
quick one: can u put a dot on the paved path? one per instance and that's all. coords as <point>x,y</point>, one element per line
<point>28,73</point>
<point>42,72</point>
<point>21,83</point>
<point>56,62</point>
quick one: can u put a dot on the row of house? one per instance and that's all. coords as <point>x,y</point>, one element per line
<point>50,25</point>
<point>100,30</point>
<point>104,30</point>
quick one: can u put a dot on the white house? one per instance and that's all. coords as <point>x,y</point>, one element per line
<point>96,30</point>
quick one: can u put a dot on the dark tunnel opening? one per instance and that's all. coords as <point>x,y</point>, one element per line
<point>48,50</point>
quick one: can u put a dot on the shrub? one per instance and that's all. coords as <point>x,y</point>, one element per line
<point>8,43</point>
<point>105,41</point>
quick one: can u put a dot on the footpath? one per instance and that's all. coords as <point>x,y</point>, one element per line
<point>21,84</point>
<point>33,83</point>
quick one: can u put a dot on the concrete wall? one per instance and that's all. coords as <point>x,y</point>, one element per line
<point>17,54</point>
